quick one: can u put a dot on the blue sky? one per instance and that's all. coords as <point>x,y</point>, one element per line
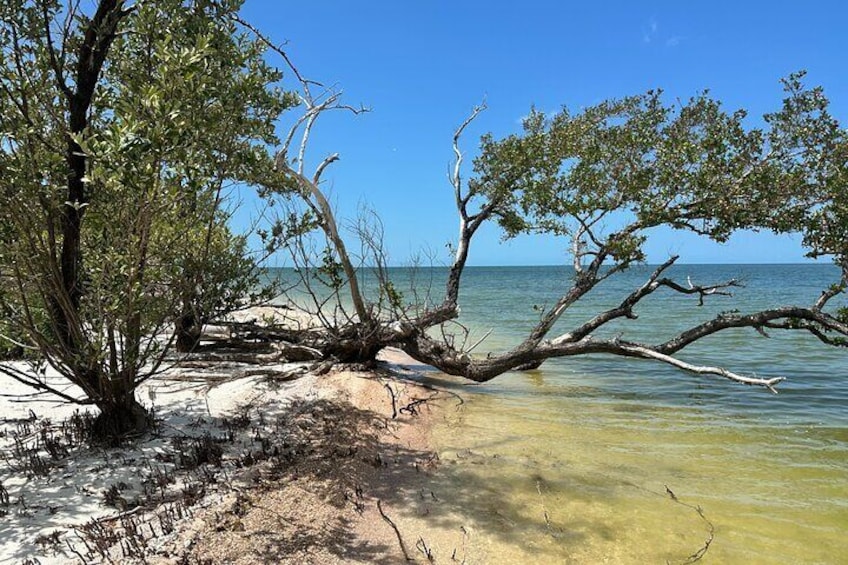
<point>422,66</point>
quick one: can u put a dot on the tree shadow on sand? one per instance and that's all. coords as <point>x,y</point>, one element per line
<point>330,453</point>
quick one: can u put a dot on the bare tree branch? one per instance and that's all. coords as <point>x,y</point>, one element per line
<point>456,179</point>
<point>56,61</point>
<point>648,353</point>
<point>833,291</point>
<point>787,314</point>
<point>29,379</point>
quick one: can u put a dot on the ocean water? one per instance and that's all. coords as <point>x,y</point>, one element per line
<point>573,463</point>
<point>502,300</point>
<point>576,462</point>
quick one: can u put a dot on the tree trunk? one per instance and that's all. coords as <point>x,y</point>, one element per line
<point>98,37</point>
<point>357,343</point>
<point>188,330</point>
<point>120,418</point>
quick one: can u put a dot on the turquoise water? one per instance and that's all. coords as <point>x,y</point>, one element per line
<point>570,463</point>
<point>502,299</point>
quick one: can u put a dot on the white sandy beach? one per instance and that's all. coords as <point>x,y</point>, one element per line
<point>68,507</point>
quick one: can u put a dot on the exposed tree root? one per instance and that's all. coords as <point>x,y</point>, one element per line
<point>396,530</point>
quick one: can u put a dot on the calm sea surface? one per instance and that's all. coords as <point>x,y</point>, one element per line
<point>573,463</point>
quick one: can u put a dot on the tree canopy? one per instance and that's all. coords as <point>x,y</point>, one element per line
<point>124,132</point>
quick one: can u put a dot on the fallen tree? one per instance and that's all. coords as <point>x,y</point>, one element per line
<point>602,178</point>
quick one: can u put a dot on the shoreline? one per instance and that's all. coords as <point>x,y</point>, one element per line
<point>339,507</point>
<point>362,467</point>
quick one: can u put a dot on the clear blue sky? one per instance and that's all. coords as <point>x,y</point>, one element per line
<point>422,66</point>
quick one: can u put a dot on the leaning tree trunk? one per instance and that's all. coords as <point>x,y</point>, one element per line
<point>121,414</point>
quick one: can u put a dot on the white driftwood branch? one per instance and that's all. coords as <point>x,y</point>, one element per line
<point>647,353</point>
<point>456,179</point>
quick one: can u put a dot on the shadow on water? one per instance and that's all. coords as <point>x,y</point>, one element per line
<point>530,511</point>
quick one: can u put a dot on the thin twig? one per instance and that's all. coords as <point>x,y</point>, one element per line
<point>698,555</point>
<point>394,402</point>
<point>397,531</point>
<point>479,341</point>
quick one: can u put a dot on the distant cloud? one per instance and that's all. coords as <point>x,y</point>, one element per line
<point>649,32</point>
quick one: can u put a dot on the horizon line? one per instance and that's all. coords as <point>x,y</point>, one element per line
<point>646,264</point>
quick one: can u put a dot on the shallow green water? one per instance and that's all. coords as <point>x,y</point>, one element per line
<point>570,464</point>
<point>598,469</point>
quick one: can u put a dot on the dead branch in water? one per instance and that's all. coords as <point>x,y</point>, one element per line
<point>548,524</point>
<point>698,555</point>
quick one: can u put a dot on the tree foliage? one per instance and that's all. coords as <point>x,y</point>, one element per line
<point>124,133</point>
<point>692,167</point>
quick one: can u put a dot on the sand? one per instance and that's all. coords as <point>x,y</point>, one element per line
<point>329,469</point>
